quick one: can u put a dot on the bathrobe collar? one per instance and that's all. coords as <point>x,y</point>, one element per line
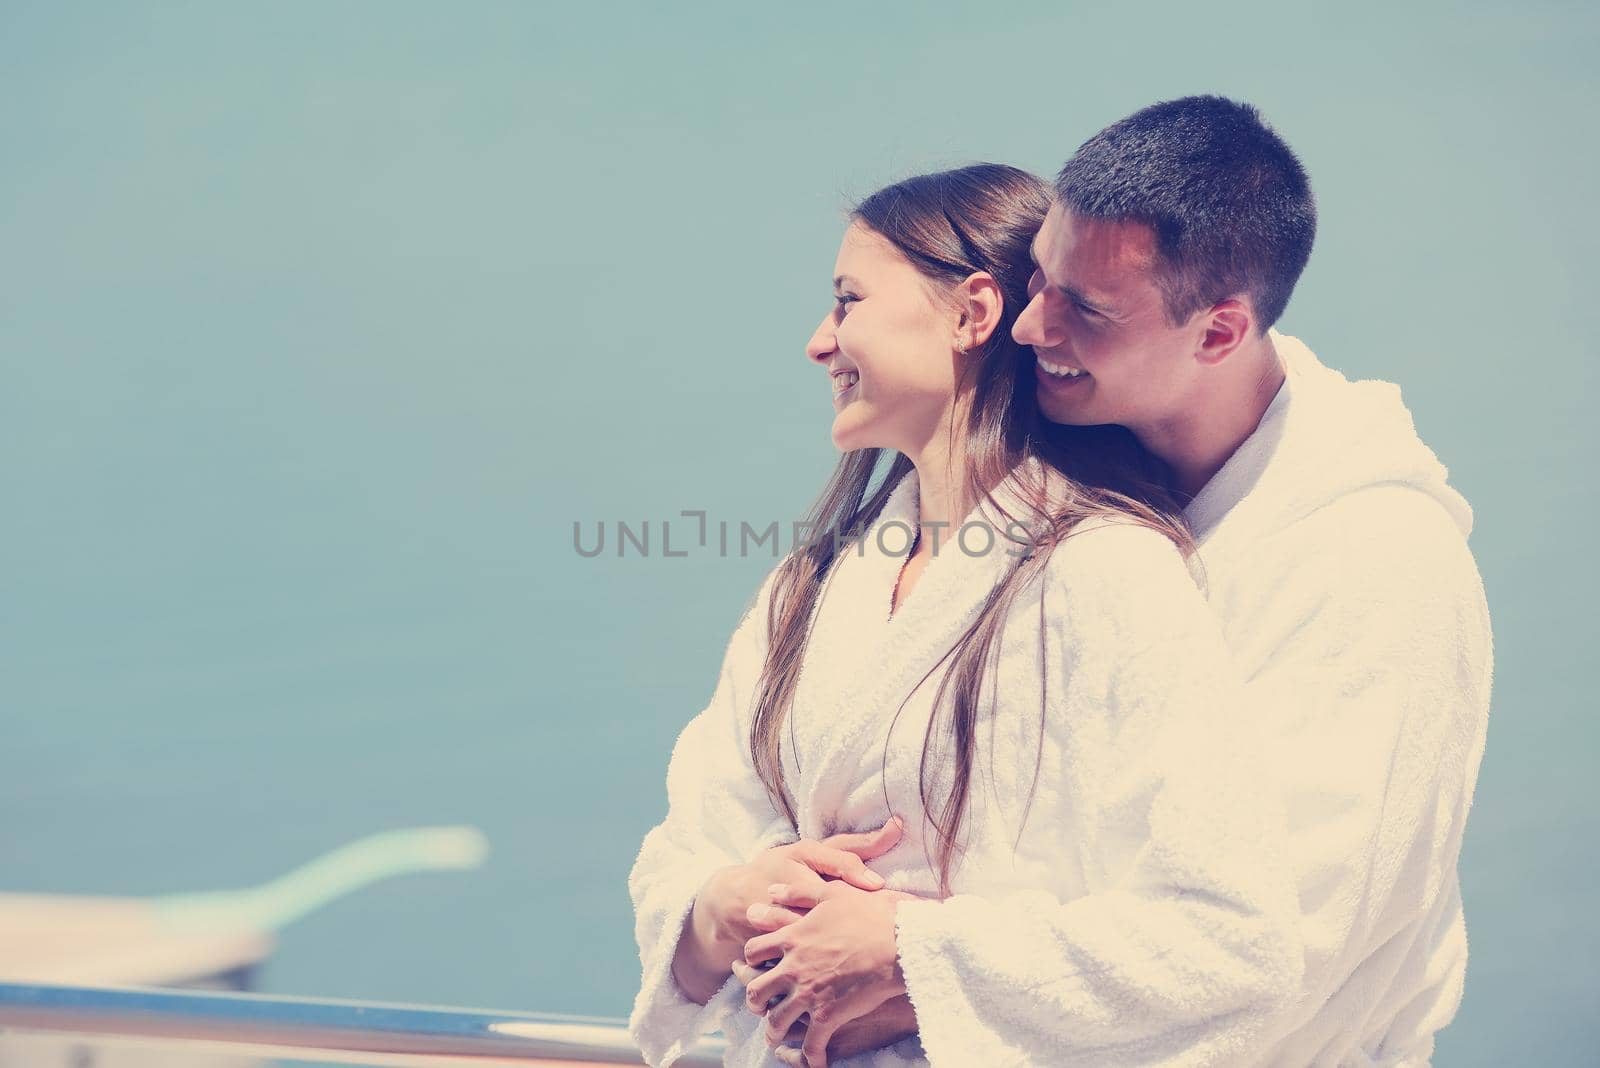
<point>1322,437</point>
<point>860,664</point>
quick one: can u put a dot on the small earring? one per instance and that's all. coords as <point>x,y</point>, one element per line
<point>961,347</point>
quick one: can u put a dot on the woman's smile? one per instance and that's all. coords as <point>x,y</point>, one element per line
<point>844,386</point>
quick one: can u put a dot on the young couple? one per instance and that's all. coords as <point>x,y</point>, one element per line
<point>1175,770</point>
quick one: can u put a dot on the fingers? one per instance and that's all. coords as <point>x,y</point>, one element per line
<point>840,864</point>
<point>769,917</point>
<point>744,973</point>
<point>868,844</point>
<point>747,975</point>
<point>764,947</point>
<point>815,1049</point>
<point>784,1016</point>
<point>794,897</point>
<point>766,991</point>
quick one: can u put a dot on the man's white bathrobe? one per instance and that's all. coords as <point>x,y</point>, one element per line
<point>1135,925</point>
<point>1145,913</point>
<point>1337,563</point>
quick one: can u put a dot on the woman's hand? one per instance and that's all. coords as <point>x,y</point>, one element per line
<point>729,893</point>
<point>835,964</point>
<point>718,926</point>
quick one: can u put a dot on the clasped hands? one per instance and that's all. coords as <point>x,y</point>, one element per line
<point>823,968</point>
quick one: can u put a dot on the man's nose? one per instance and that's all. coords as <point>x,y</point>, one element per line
<point>1031,327</point>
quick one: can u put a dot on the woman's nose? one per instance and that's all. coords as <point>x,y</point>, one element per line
<point>821,345</point>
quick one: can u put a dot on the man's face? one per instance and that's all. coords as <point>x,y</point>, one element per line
<point>1104,351</point>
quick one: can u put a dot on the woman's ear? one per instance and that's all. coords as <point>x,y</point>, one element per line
<point>980,302</point>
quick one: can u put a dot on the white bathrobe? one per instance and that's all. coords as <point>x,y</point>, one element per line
<point>1146,914</point>
<point>1337,563</point>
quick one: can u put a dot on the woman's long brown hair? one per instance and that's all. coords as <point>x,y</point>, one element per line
<point>949,226</point>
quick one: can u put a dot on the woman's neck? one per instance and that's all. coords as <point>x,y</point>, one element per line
<point>943,500</point>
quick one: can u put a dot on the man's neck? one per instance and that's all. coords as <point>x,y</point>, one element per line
<point>1211,428</point>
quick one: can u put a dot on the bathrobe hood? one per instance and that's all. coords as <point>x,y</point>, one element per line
<point>1345,436</point>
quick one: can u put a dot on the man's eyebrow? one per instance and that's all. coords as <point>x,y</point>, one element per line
<point>1073,294</point>
<point>1083,298</point>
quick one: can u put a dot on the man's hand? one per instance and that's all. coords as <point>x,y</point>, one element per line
<point>827,971</point>
<point>883,1026</point>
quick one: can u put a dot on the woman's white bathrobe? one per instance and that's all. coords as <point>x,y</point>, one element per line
<point>1145,915</point>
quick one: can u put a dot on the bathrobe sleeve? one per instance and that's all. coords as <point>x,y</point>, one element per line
<point>718,814</point>
<point>1185,944</point>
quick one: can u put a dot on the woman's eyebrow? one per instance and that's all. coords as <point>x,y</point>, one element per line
<point>842,280</point>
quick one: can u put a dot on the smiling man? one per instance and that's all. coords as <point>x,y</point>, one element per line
<point>1333,548</point>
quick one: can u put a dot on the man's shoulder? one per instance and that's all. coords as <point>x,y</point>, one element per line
<point>1381,544</point>
<point>1395,521</point>
<point>1391,548</point>
<point>1382,572</point>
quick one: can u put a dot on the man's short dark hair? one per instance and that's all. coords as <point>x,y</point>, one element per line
<point>1229,202</point>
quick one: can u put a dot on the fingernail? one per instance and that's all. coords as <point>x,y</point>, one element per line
<point>755,912</point>
<point>874,878</point>
<point>777,889</point>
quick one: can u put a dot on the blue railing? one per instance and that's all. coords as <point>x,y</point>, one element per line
<point>305,1027</point>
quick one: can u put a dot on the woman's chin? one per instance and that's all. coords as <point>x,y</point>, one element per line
<point>848,435</point>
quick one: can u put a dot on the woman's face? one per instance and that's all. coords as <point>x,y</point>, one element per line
<point>888,347</point>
